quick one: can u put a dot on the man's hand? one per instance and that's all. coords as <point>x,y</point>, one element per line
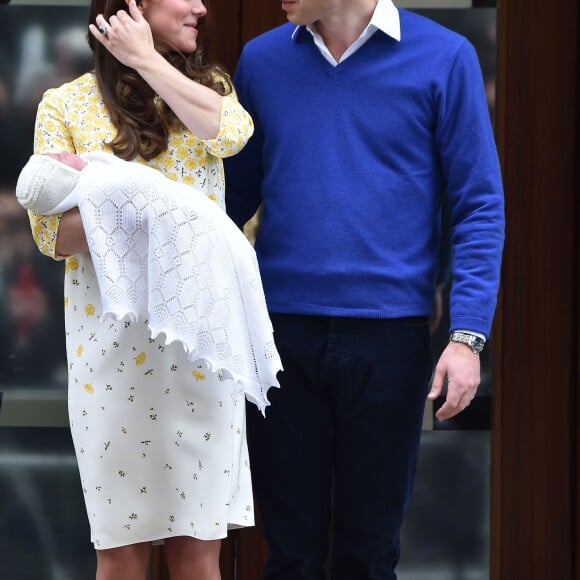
<point>461,368</point>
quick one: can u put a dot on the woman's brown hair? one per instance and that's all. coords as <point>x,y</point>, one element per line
<point>142,125</point>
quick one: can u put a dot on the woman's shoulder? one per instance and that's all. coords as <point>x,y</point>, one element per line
<point>83,85</point>
<point>75,113</point>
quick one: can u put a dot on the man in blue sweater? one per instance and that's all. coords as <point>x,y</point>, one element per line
<point>366,116</point>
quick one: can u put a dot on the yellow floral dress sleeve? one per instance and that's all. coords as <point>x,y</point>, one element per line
<point>50,135</point>
<point>236,127</point>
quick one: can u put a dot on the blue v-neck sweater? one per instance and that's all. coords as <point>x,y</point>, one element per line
<point>352,163</point>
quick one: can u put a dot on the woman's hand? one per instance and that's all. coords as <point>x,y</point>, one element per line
<point>71,238</point>
<point>127,36</point>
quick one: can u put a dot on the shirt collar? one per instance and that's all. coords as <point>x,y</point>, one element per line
<point>385,18</point>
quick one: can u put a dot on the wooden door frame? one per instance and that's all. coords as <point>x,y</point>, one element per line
<point>535,443</point>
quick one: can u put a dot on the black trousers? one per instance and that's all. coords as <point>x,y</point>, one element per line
<point>334,460</point>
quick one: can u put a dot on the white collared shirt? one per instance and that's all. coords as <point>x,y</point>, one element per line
<point>385,18</point>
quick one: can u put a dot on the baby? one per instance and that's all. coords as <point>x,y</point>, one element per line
<point>46,180</point>
<point>163,252</point>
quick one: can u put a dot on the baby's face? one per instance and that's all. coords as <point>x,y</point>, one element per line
<point>69,159</point>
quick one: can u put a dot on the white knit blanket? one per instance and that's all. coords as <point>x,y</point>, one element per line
<point>165,253</point>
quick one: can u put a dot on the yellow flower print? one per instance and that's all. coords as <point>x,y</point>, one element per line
<point>80,350</point>
<point>89,388</point>
<point>140,359</point>
<point>90,310</point>
<point>49,125</point>
<point>65,301</point>
<point>72,264</point>
<point>198,375</point>
<point>190,163</point>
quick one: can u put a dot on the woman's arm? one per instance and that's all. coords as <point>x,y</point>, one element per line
<point>51,134</point>
<point>198,107</point>
<point>70,238</point>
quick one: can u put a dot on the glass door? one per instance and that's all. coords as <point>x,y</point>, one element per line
<point>43,526</point>
<point>446,535</point>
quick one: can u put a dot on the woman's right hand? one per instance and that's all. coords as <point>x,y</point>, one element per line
<point>127,36</point>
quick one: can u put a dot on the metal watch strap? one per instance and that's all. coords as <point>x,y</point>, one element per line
<point>476,343</point>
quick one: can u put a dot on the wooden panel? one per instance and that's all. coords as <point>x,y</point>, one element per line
<point>576,447</point>
<point>225,31</point>
<point>535,494</point>
<point>234,22</point>
<point>259,16</point>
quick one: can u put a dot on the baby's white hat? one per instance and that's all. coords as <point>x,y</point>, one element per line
<point>44,182</point>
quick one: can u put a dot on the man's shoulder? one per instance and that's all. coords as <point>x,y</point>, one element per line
<point>435,47</point>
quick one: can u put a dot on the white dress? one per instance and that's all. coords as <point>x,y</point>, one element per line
<point>160,442</point>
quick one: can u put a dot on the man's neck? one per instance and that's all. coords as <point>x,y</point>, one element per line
<point>341,28</point>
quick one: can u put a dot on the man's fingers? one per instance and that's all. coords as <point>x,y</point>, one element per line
<point>435,391</point>
<point>437,383</point>
<point>448,410</point>
<point>455,402</point>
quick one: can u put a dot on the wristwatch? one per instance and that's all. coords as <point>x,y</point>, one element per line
<point>476,343</point>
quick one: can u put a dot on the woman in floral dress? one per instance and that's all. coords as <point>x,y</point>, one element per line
<point>160,442</point>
